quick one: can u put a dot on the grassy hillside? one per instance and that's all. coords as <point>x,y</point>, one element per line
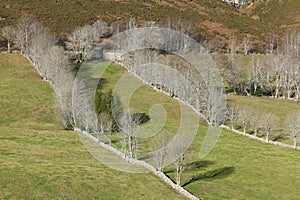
<point>211,17</point>
<point>237,168</point>
<point>38,160</point>
<point>281,108</point>
<point>279,15</point>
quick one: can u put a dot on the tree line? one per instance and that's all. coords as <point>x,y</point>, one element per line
<point>276,75</point>
<point>258,123</point>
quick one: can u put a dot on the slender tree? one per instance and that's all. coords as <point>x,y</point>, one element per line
<point>247,44</point>
<point>105,126</point>
<point>24,33</point>
<point>8,32</point>
<point>243,118</point>
<point>158,146</point>
<point>60,75</point>
<point>269,124</point>
<point>180,163</point>
<point>293,123</point>
<point>232,112</point>
<point>255,120</point>
<point>130,138</point>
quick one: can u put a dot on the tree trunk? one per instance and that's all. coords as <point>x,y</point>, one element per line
<point>110,138</point>
<point>267,137</point>
<point>276,91</point>
<point>8,47</point>
<point>297,92</point>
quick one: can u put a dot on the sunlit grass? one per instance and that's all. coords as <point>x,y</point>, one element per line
<point>281,108</point>
<point>238,167</point>
<point>39,160</point>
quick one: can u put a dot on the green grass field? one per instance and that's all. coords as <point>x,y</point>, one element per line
<point>281,108</point>
<point>238,167</point>
<point>39,160</point>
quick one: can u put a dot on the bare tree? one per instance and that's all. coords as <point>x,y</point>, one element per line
<point>61,78</point>
<point>233,47</point>
<point>81,41</point>
<point>100,29</point>
<point>243,118</point>
<point>279,66</point>
<point>232,113</point>
<point>247,45</point>
<point>269,124</point>
<point>41,43</point>
<point>255,120</point>
<point>105,126</point>
<point>24,32</point>
<point>293,123</point>
<point>181,25</point>
<point>8,32</point>
<point>158,146</point>
<point>255,73</point>
<point>80,104</point>
<point>216,110</point>
<point>129,127</point>
<point>272,43</point>
<point>179,164</point>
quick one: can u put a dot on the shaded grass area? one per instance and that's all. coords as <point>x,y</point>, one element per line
<point>39,160</point>
<point>237,168</point>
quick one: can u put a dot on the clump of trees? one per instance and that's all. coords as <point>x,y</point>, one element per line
<point>83,39</point>
<point>120,121</point>
<point>275,74</point>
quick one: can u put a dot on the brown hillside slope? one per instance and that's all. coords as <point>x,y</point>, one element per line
<point>211,17</point>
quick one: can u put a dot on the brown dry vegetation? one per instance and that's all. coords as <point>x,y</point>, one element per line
<point>211,17</point>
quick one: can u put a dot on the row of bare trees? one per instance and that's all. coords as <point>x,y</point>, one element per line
<point>36,43</point>
<point>53,64</point>
<point>167,72</point>
<point>83,39</point>
<point>275,74</point>
<point>178,80</point>
<point>255,121</point>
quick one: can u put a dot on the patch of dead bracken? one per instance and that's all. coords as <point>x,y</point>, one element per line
<point>165,3</point>
<point>217,27</point>
<point>196,7</point>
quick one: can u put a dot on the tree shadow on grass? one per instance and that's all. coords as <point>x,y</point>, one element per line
<point>194,166</point>
<point>278,137</point>
<point>213,174</point>
<point>101,83</point>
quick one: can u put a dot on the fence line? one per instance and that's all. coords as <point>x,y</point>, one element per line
<point>259,139</point>
<point>160,174</point>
